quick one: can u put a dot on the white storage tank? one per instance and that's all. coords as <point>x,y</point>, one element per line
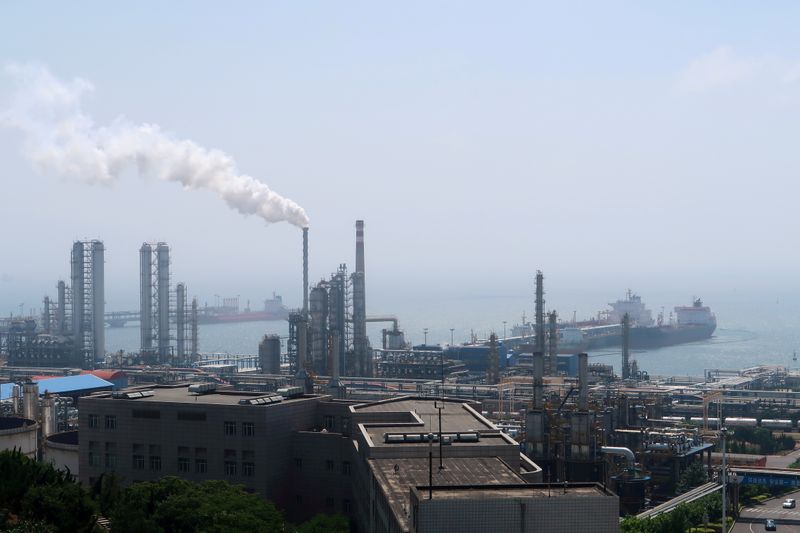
<point>61,450</point>
<point>775,423</point>
<point>20,433</point>
<point>734,422</point>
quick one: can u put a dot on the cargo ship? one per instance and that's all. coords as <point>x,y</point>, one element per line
<point>229,312</point>
<point>690,323</point>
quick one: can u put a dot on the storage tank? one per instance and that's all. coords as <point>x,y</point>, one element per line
<point>19,433</point>
<point>774,423</point>
<point>733,422</point>
<point>61,450</point>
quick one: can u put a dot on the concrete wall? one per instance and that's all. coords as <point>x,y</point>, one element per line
<point>560,514</point>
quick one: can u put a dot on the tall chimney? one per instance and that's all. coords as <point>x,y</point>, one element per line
<point>360,246</point>
<point>305,271</point>
<point>538,380</point>
<point>583,381</point>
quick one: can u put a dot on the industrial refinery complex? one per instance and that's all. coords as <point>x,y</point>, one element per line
<point>520,433</point>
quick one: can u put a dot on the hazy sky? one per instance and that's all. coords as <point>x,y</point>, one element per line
<point>610,144</point>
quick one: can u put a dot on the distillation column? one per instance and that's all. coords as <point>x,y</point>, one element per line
<point>180,321</point>
<point>98,301</point>
<point>162,259</point>
<point>146,297</point>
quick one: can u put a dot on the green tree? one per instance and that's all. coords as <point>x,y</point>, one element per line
<point>694,476</point>
<point>175,505</point>
<point>323,523</point>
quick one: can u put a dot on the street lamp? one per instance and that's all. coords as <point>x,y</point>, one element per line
<point>723,432</point>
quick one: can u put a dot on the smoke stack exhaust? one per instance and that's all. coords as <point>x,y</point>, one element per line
<point>360,246</point>
<point>305,271</point>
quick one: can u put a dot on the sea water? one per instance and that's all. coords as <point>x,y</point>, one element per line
<point>753,329</point>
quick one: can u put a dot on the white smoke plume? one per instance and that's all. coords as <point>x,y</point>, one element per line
<point>61,137</point>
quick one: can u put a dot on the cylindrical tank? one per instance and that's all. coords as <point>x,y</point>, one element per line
<point>19,433</point>
<point>49,416</point>
<point>772,423</point>
<point>269,354</point>
<point>62,451</point>
<point>732,421</point>
<point>30,400</point>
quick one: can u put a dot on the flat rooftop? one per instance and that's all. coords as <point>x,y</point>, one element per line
<point>181,395</point>
<point>457,416</point>
<point>397,476</point>
<point>530,491</point>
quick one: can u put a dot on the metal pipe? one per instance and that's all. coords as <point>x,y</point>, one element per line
<point>624,452</point>
<point>583,381</point>
<point>305,271</point>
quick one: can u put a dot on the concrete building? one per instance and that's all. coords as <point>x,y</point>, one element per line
<point>310,454</point>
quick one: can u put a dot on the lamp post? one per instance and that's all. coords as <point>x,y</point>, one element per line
<point>723,432</point>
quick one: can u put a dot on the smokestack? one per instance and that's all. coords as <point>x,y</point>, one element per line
<point>583,381</point>
<point>305,271</point>
<point>538,381</point>
<point>360,246</point>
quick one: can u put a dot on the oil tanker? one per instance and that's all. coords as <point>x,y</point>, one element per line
<point>689,323</point>
<point>229,312</point>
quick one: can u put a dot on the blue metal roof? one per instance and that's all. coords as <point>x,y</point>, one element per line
<point>72,384</point>
<point>6,389</point>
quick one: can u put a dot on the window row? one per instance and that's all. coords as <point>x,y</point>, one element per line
<point>330,465</point>
<point>248,429</point>
<point>110,422</point>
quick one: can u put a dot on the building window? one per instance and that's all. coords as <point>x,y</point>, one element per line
<point>329,465</point>
<point>93,422</point>
<point>346,425</point>
<point>328,422</point>
<point>230,429</point>
<point>346,507</point>
<point>183,451</point>
<point>230,468</point>
<point>298,499</point>
<point>298,463</point>
<point>184,465</point>
<point>248,469</point>
<point>329,502</point>
<point>111,456</point>
<point>111,422</point>
<point>138,462</point>
<point>346,468</point>
<point>155,457</point>
<point>248,429</point>
<point>200,466</point>
<point>95,459</point>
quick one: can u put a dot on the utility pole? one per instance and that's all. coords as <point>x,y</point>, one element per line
<point>723,433</point>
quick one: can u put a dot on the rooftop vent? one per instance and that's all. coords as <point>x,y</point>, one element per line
<point>132,395</point>
<point>447,438</point>
<point>203,388</point>
<point>261,400</point>
<point>290,392</point>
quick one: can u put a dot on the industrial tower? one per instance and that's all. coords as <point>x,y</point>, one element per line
<point>88,302</point>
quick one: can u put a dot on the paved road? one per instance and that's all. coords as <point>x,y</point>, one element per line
<point>782,461</point>
<point>753,518</point>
